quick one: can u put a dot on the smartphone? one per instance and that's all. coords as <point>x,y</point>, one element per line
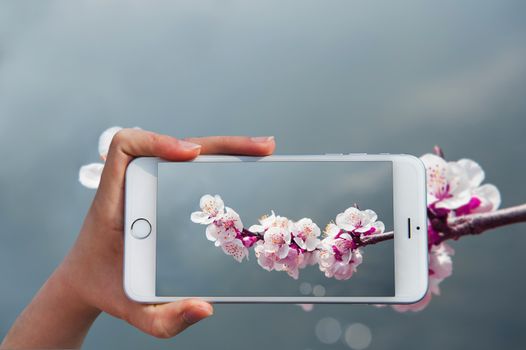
<point>309,219</point>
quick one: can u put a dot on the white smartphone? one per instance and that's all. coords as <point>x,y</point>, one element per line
<point>177,243</point>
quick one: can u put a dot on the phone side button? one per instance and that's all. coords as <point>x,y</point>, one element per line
<point>141,228</point>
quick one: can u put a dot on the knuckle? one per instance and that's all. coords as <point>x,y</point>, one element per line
<point>154,138</point>
<point>120,138</point>
<point>155,141</point>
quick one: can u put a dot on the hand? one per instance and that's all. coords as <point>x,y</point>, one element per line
<point>89,280</point>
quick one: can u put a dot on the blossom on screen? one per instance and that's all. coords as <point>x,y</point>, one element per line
<point>224,228</point>
<point>277,241</point>
<point>335,264</point>
<point>306,234</point>
<point>281,244</point>
<point>236,249</point>
<point>272,220</point>
<point>360,221</point>
<point>339,255</point>
<point>274,251</point>
<point>211,208</point>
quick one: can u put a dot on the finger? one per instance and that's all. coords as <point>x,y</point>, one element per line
<point>168,320</point>
<point>128,144</point>
<point>240,145</point>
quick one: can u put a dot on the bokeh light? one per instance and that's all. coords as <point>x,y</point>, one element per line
<point>305,288</point>
<point>328,330</point>
<point>358,336</point>
<point>318,290</point>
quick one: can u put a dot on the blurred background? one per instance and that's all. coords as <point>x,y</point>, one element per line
<point>321,76</point>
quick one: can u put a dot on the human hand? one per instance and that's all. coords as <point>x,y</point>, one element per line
<point>90,278</point>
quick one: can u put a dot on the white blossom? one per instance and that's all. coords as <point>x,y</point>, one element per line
<point>212,208</point>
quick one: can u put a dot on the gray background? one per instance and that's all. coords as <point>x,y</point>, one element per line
<point>317,190</point>
<point>325,76</point>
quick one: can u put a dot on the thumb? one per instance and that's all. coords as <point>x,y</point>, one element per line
<point>168,320</point>
<point>126,145</point>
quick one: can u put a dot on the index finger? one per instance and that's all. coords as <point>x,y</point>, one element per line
<point>239,145</point>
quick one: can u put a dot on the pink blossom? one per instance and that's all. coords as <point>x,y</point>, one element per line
<point>361,221</point>
<point>272,220</point>
<point>305,233</point>
<point>225,228</point>
<point>447,183</point>
<point>266,259</point>
<point>309,258</point>
<point>291,263</point>
<point>440,263</point>
<point>484,199</point>
<point>212,208</point>
<point>457,186</point>
<point>236,249</point>
<point>276,241</point>
<point>337,258</point>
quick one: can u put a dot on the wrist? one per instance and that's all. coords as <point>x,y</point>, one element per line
<point>56,318</point>
<point>62,289</point>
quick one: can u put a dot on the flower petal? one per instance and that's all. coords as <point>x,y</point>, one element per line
<point>455,201</point>
<point>300,243</point>
<point>306,307</point>
<point>89,175</point>
<point>200,217</point>
<point>211,232</point>
<point>418,306</point>
<point>436,170</point>
<point>473,171</point>
<point>236,249</point>
<point>105,140</point>
<point>490,197</point>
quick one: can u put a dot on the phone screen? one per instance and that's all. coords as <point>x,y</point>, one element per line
<point>192,263</point>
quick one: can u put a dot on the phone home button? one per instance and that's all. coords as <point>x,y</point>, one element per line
<point>141,228</point>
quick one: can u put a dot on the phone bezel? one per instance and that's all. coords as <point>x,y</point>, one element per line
<point>409,201</point>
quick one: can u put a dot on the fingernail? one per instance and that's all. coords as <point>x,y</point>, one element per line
<point>262,138</point>
<point>197,313</point>
<point>189,145</point>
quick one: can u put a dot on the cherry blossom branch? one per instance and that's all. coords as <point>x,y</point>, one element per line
<point>475,224</point>
<point>373,239</point>
<point>457,227</point>
<point>286,245</point>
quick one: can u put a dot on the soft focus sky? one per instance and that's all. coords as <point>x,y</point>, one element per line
<point>322,76</point>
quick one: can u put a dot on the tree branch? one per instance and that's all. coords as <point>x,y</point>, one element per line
<point>472,224</point>
<point>373,239</point>
<point>475,224</point>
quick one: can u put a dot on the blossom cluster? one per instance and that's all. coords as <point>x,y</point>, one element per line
<point>453,189</point>
<point>282,244</point>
